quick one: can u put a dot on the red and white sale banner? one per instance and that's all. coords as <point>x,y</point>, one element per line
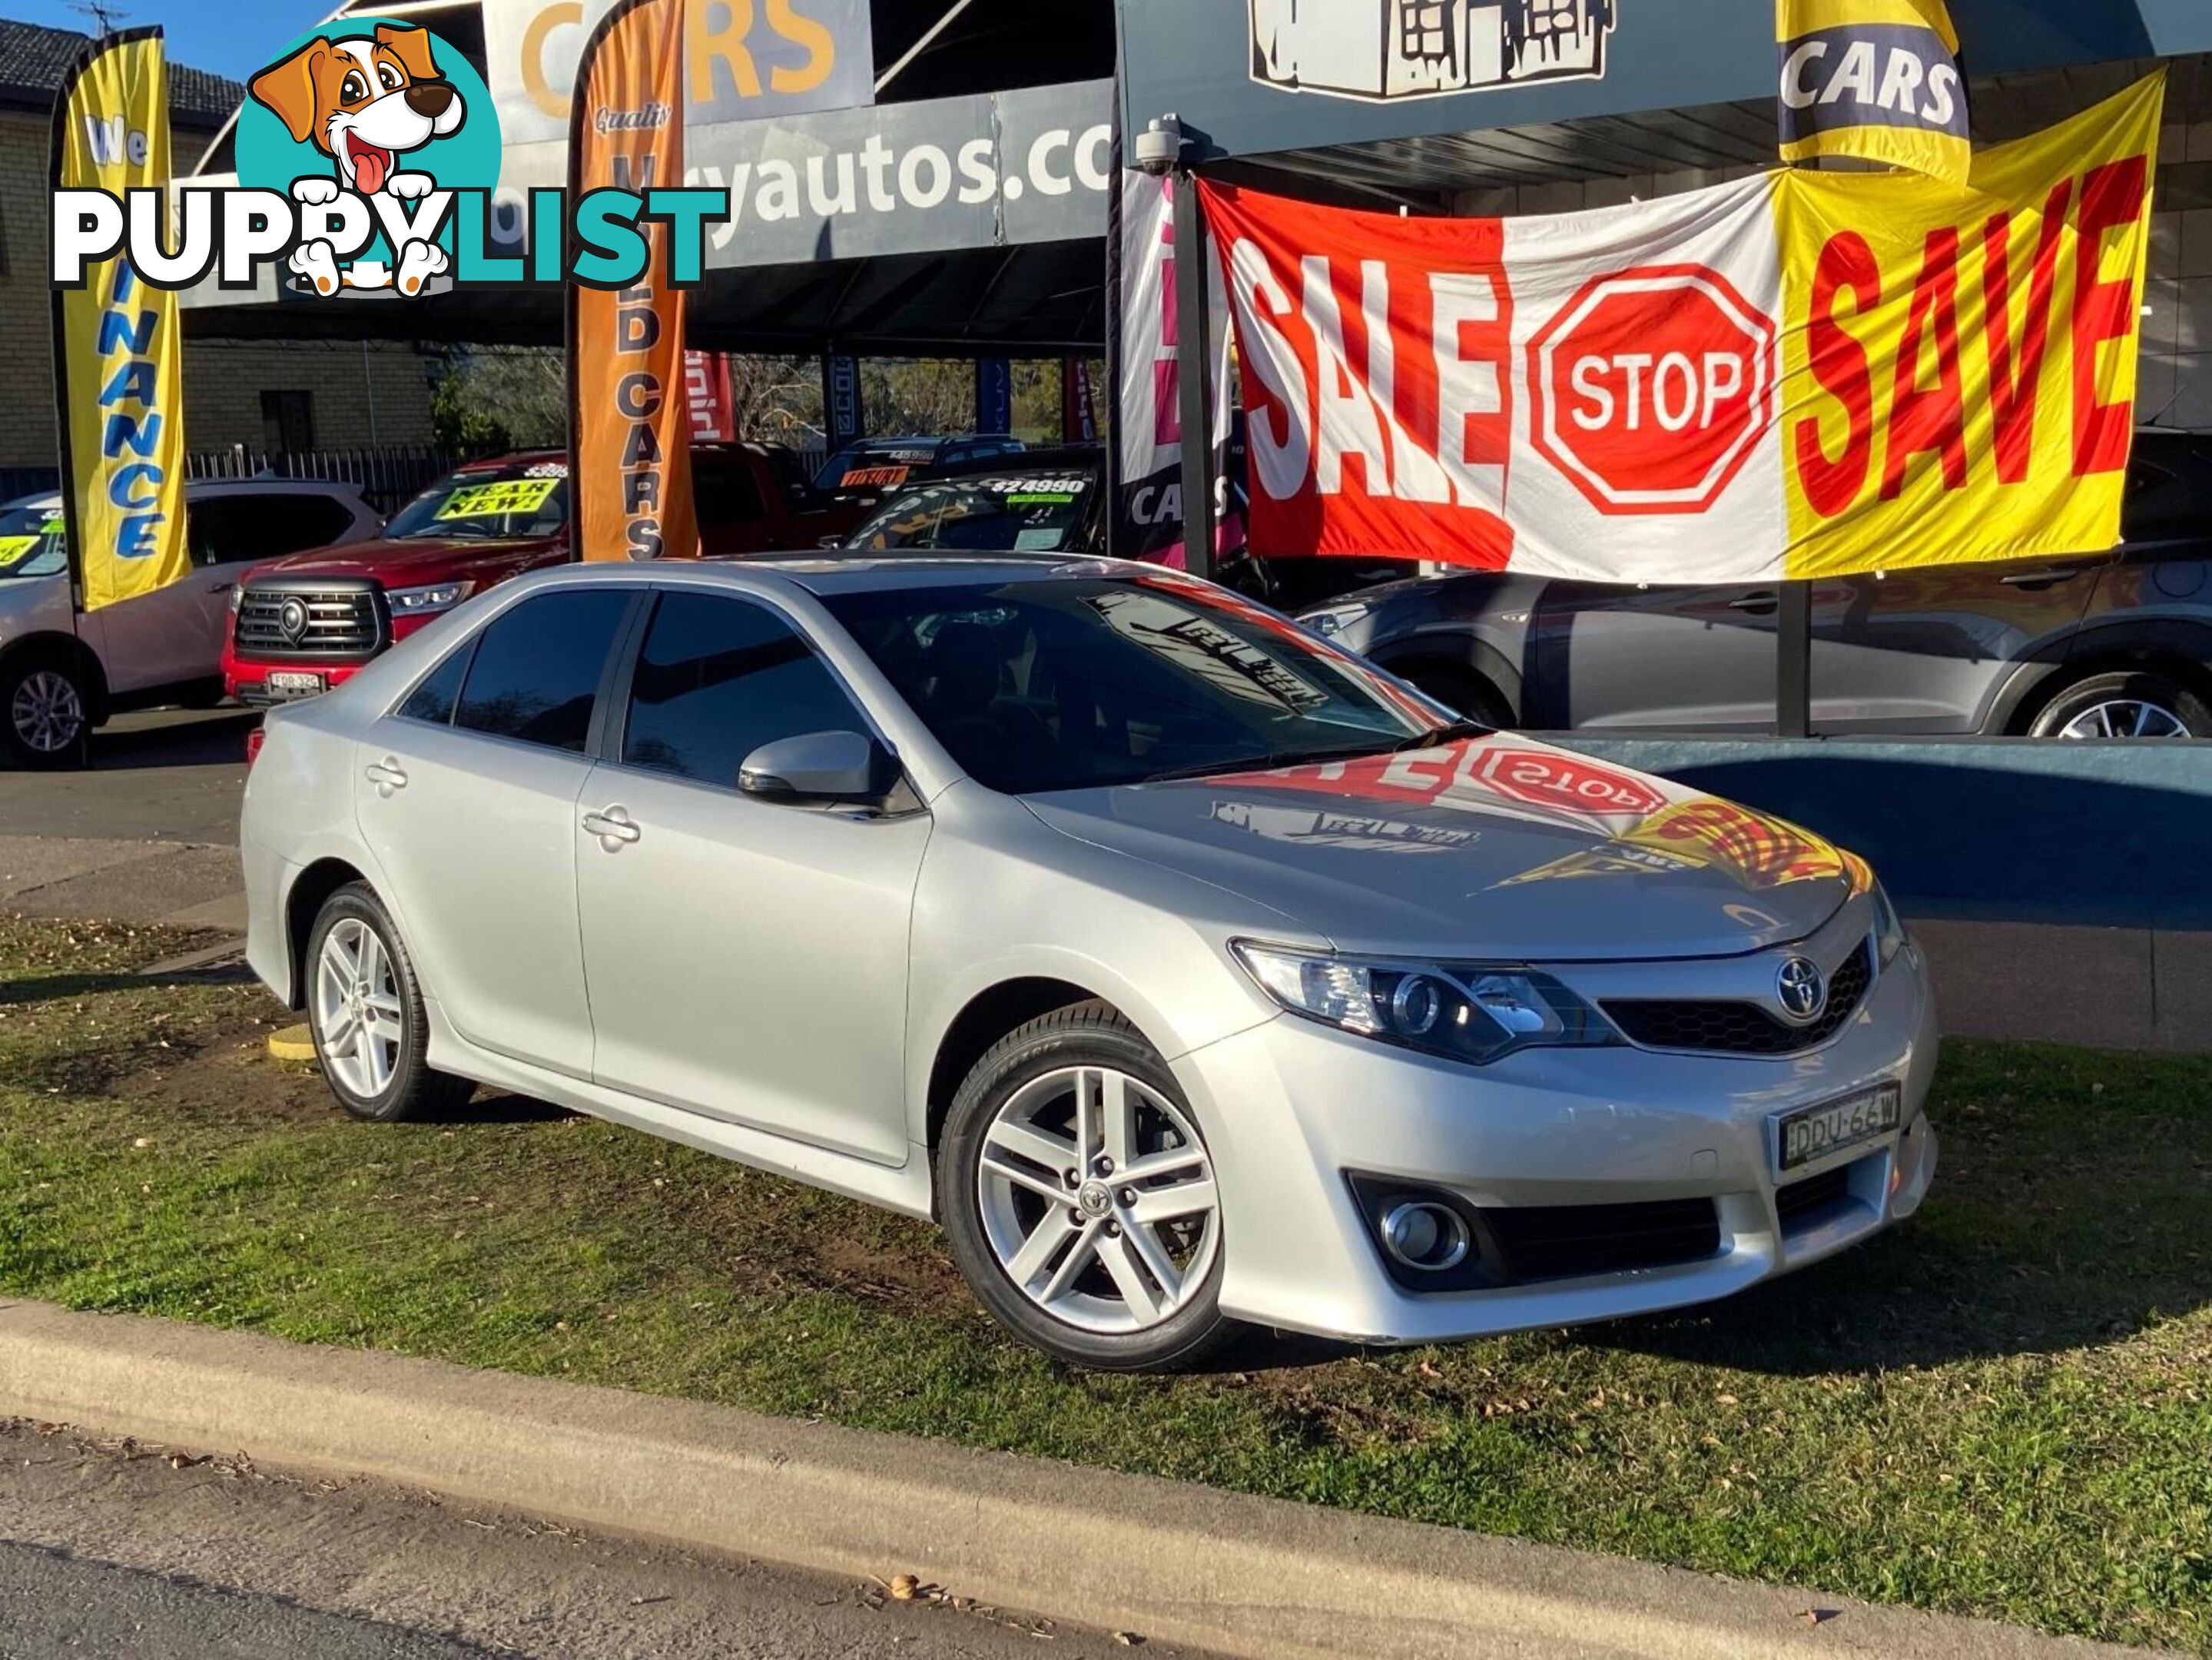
<point>1792,375</point>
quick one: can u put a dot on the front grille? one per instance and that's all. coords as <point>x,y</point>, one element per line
<point>339,622</point>
<point>1800,1199</point>
<point>1566,1242</point>
<point>1735,1028</point>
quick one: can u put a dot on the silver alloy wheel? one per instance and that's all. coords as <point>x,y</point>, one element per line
<point>357,1008</point>
<point>2126,717</point>
<point>1098,1200</point>
<point>46,712</point>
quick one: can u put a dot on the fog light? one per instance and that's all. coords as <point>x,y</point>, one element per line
<point>1429,1236</point>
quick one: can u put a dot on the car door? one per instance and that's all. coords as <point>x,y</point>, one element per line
<point>1666,657</point>
<point>173,635</point>
<point>746,960</point>
<point>467,795</point>
<point>1922,650</point>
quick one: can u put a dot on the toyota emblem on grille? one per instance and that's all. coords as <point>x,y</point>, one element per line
<point>1801,989</point>
<point>292,618</point>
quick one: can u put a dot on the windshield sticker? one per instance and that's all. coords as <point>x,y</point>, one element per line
<point>874,479</point>
<point>492,500</point>
<point>547,469</point>
<point>1034,490</point>
<point>1046,540</point>
<point>13,548</point>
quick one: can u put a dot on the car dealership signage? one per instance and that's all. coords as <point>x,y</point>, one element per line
<point>1796,374</point>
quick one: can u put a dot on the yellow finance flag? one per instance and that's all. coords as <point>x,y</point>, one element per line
<point>1959,366</point>
<point>118,354</point>
<point>1877,79</point>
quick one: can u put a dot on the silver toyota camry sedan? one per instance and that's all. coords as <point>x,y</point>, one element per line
<point>1187,969</point>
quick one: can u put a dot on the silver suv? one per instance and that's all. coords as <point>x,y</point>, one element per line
<point>2108,645</point>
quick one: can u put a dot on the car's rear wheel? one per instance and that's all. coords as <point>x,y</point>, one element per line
<point>1079,1196</point>
<point>365,1013</point>
<point>2130,704</point>
<point>45,706</point>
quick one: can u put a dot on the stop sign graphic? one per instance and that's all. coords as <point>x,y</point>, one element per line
<point>1551,778</point>
<point>1652,387</point>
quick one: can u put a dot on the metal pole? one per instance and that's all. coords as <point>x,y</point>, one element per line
<point>1793,668</point>
<point>1193,396</point>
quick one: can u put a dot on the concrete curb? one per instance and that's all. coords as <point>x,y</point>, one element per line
<point>1244,1576</point>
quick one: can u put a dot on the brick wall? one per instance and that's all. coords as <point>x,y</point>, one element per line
<point>358,398</point>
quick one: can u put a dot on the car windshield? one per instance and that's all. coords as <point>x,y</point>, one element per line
<point>519,504</point>
<point>875,467</point>
<point>1010,511</point>
<point>1074,683</point>
<point>33,542</point>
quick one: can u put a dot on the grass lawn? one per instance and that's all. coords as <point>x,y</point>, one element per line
<point>2004,1410</point>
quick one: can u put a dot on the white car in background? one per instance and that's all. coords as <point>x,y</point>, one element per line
<point>60,675</point>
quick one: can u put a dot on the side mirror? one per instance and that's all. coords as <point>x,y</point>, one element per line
<point>818,767</point>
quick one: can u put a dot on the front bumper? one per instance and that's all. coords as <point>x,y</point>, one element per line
<point>1292,1109</point>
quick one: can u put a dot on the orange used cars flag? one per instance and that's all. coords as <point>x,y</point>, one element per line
<point>630,424</point>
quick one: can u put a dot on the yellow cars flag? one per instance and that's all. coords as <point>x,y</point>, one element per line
<point>117,354</point>
<point>1877,79</point>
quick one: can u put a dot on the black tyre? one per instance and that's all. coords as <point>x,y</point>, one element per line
<point>1462,690</point>
<point>2136,703</point>
<point>1079,1197</point>
<point>46,709</point>
<point>365,1011</point>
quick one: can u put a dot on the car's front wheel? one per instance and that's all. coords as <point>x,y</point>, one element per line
<point>45,706</point>
<point>365,1013</point>
<point>1079,1196</point>
<point>2135,704</point>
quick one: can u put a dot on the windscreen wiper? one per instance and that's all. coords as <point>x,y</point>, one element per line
<point>1437,736</point>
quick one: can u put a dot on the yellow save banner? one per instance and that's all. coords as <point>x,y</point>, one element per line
<point>1959,370</point>
<point>116,345</point>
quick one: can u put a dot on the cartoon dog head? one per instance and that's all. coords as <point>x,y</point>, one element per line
<point>363,101</point>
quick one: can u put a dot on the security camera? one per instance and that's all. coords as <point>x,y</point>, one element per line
<point>1159,146</point>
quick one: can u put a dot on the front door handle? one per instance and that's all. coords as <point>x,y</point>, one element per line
<point>387,776</point>
<point>1759,604</point>
<point>2035,580</point>
<point>615,827</point>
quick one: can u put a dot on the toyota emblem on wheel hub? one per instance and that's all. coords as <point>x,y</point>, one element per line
<point>1801,989</point>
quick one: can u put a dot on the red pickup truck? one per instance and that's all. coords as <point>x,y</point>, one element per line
<point>302,624</point>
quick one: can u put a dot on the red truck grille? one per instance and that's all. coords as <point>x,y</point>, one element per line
<point>324,620</point>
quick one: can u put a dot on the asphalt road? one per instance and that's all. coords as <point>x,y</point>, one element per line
<point>170,776</point>
<point>115,1552</point>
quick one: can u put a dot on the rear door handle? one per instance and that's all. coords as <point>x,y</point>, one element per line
<point>1759,604</point>
<point>387,776</point>
<point>2041,579</point>
<point>615,827</point>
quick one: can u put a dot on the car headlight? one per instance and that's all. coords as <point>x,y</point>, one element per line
<point>1889,926</point>
<point>237,597</point>
<point>1459,1011</point>
<point>1333,620</point>
<point>422,602</point>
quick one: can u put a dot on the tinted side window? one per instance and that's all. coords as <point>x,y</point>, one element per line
<point>717,678</point>
<point>225,530</point>
<point>725,493</point>
<point>433,701</point>
<point>537,669</point>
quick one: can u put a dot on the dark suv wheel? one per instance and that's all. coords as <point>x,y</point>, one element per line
<point>2127,703</point>
<point>1080,1198</point>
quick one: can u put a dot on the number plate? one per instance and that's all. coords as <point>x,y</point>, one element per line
<point>291,682</point>
<point>1811,1134</point>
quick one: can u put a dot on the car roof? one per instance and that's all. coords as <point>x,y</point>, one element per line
<point>1059,457</point>
<point>203,487</point>
<point>824,578</point>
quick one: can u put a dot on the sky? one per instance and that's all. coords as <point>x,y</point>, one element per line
<point>231,37</point>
